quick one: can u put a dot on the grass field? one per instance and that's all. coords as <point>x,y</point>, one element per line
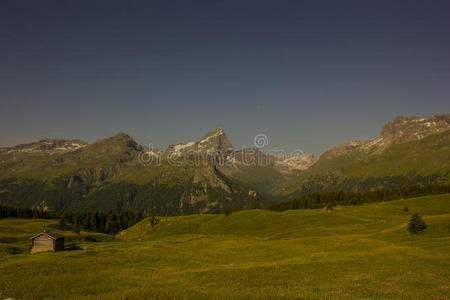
<point>352,252</point>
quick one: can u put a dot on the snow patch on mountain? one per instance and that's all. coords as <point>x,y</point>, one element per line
<point>47,146</point>
<point>296,162</point>
<point>401,130</point>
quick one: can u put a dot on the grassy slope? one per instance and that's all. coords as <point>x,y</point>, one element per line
<point>355,251</point>
<point>260,178</point>
<point>429,156</point>
<point>15,234</point>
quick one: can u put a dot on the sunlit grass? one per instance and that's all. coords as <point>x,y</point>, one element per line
<point>353,252</point>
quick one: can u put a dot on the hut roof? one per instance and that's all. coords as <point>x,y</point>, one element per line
<point>56,235</point>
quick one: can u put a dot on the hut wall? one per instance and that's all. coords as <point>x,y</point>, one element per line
<point>43,242</point>
<point>59,244</point>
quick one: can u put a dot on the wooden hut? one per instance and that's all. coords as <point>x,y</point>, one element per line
<point>47,241</point>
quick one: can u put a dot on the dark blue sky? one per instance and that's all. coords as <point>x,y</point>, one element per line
<point>308,74</point>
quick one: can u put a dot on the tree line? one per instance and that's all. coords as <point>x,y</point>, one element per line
<point>329,199</point>
<point>152,198</point>
<point>98,221</point>
<point>27,213</point>
<point>94,221</point>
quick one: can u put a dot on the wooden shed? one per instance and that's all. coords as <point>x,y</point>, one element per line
<point>47,241</point>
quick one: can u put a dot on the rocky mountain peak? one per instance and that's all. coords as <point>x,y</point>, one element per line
<point>216,131</point>
<point>121,137</point>
<point>213,142</point>
<point>404,129</point>
<point>47,146</point>
<point>401,130</point>
<point>117,142</point>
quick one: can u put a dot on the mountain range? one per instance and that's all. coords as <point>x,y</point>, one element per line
<point>209,175</point>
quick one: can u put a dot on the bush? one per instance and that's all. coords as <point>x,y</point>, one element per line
<point>416,224</point>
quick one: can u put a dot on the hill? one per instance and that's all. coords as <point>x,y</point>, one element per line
<point>352,252</point>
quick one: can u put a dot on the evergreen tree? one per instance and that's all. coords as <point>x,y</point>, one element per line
<point>154,220</point>
<point>62,223</point>
<point>416,224</point>
<point>107,226</point>
<point>77,231</point>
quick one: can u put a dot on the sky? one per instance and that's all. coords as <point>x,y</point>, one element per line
<point>307,74</point>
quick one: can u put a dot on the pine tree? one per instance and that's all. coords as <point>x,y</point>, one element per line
<point>77,231</point>
<point>62,224</point>
<point>154,221</point>
<point>416,224</point>
<point>107,226</point>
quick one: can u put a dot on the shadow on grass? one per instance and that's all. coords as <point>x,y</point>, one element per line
<point>71,247</point>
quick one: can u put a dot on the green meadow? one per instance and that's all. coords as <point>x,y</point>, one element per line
<point>359,252</point>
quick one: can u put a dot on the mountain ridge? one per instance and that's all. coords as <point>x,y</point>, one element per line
<point>209,175</point>
<point>409,150</point>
